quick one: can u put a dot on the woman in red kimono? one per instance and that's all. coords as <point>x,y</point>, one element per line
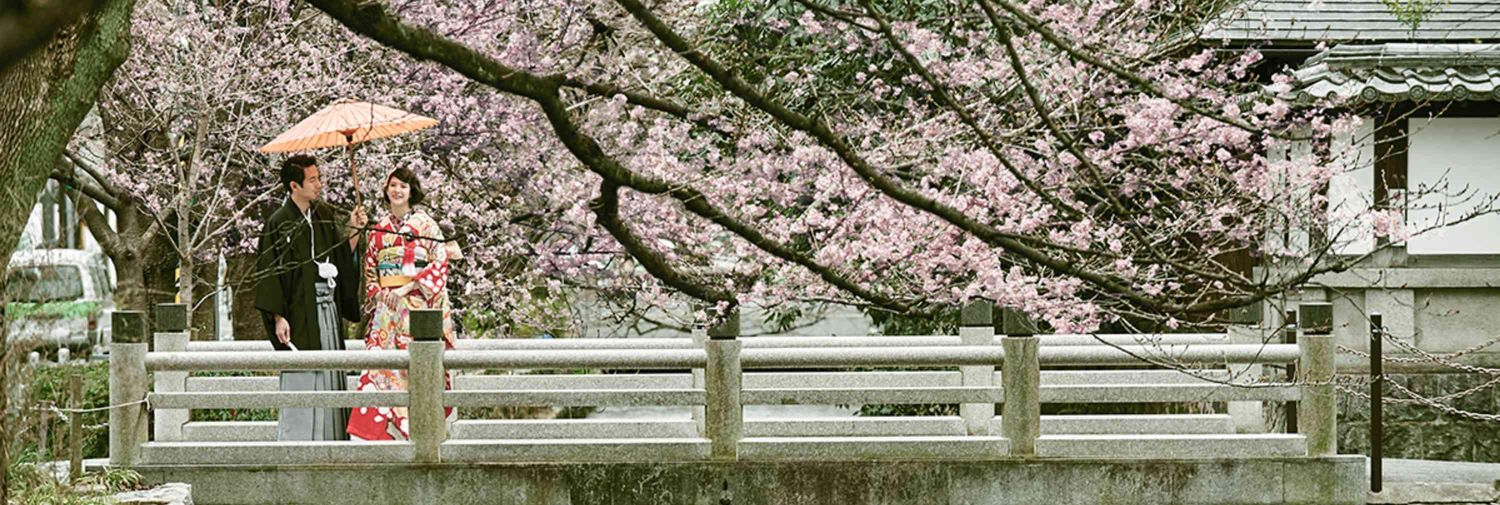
<point>406,267</point>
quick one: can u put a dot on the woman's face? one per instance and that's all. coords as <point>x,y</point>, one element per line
<point>398,191</point>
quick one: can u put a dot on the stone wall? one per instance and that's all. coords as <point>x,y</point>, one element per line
<point>1324,481</point>
<point>1417,431</point>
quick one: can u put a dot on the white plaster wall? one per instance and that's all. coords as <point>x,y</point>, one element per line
<point>1351,192</point>
<point>1461,152</point>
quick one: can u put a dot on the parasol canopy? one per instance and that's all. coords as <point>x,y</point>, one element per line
<point>345,123</point>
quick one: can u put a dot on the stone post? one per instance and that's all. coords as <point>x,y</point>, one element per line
<point>75,427</point>
<point>425,382</point>
<point>1289,332</point>
<point>978,328</point>
<point>171,335</point>
<point>1021,376</point>
<point>1317,416</point>
<point>724,414</point>
<point>1245,327</point>
<point>700,338</point>
<point>127,387</point>
<point>44,429</point>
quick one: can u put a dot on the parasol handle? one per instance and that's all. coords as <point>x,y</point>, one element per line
<point>359,200</point>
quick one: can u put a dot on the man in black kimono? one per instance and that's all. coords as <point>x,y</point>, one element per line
<point>308,280</point>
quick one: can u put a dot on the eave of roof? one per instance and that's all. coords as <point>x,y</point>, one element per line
<point>1402,72</point>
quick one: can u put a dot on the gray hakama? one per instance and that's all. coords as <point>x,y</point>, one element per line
<point>317,424</point>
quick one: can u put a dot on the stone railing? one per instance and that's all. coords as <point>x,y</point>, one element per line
<point>726,374</point>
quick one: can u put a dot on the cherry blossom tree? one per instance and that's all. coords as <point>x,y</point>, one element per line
<point>1078,161</point>
<point>177,165</point>
<point>1084,162</point>
<point>208,83</point>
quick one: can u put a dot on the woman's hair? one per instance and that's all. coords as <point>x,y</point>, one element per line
<point>410,179</point>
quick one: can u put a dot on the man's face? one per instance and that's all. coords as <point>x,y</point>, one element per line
<point>311,185</point>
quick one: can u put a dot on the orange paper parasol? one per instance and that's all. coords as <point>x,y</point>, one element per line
<point>345,123</point>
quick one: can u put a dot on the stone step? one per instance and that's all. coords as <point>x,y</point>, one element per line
<point>1429,493</point>
<point>271,452</point>
<point>752,380</point>
<point>225,431</point>
<point>575,450</point>
<point>867,448</point>
<point>1185,424</point>
<point>1165,393</point>
<point>850,426</point>
<point>1216,446</point>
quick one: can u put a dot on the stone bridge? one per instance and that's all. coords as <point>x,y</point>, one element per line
<point>983,455</point>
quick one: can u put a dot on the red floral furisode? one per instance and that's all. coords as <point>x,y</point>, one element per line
<point>400,252</point>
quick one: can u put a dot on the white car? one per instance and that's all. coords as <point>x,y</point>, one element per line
<point>59,298</point>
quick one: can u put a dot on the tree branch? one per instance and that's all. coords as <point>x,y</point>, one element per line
<point>93,191</point>
<point>1071,145</point>
<point>607,208</point>
<point>644,100</point>
<point>941,91</point>
<point>824,134</point>
<point>1145,84</point>
<point>108,239</point>
<point>91,168</point>
<point>374,21</point>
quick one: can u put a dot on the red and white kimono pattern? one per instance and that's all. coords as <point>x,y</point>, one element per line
<point>397,250</point>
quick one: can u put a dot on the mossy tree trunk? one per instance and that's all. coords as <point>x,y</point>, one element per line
<point>43,98</point>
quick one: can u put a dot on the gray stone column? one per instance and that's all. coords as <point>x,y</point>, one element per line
<point>1021,376</point>
<point>1317,417</point>
<point>978,328</point>
<point>127,386</point>
<point>424,382</point>
<point>724,414</point>
<point>171,335</point>
<point>1246,327</point>
<point>700,338</point>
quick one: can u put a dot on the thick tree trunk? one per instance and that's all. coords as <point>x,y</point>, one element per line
<point>43,97</point>
<point>130,291</point>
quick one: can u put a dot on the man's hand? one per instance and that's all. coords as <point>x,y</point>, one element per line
<point>357,222</point>
<point>283,330</point>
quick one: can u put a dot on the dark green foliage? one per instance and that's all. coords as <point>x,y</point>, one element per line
<point>51,383</point>
<point>888,323</point>
<point>234,414</point>
<point>32,483</point>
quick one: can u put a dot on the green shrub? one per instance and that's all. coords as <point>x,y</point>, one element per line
<point>33,484</point>
<point>51,383</point>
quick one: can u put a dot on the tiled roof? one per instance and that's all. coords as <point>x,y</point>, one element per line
<point>1305,21</point>
<point>1393,72</point>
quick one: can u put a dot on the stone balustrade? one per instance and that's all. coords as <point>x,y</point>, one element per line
<point>728,373</point>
